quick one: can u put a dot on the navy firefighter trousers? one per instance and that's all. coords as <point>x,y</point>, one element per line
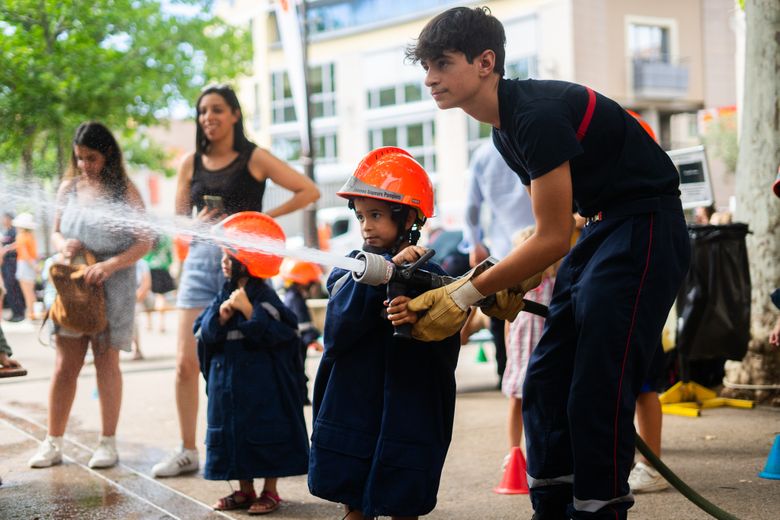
<point>612,295</point>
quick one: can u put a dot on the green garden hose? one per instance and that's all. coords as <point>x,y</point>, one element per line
<point>681,486</point>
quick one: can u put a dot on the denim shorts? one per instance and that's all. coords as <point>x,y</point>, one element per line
<point>201,276</point>
<point>25,271</point>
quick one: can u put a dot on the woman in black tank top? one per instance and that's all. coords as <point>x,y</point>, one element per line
<point>230,172</point>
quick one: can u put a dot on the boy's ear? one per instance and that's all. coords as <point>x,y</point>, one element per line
<point>410,218</point>
<point>486,62</point>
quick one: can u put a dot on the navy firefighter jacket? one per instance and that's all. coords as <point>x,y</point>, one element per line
<point>383,407</point>
<point>253,371</point>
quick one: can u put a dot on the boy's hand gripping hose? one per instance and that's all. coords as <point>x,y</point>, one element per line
<point>379,271</point>
<point>400,279</point>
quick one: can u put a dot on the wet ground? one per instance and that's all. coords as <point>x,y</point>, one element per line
<point>718,454</point>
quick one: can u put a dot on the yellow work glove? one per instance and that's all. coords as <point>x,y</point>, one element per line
<point>509,302</point>
<point>446,309</point>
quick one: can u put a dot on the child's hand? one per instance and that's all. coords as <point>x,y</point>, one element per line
<point>409,255</point>
<point>397,312</point>
<point>315,345</point>
<point>774,336</point>
<point>226,312</point>
<point>239,300</point>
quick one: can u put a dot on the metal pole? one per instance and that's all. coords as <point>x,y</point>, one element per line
<point>310,238</point>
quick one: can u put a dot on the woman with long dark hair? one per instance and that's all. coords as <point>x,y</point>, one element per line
<point>226,174</point>
<point>93,202</point>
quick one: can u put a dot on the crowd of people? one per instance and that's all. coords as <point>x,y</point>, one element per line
<point>382,426</point>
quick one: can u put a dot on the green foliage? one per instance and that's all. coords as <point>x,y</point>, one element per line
<point>122,62</point>
<point>721,140</point>
<point>139,150</point>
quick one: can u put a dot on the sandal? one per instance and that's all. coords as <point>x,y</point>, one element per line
<point>229,503</point>
<point>267,503</point>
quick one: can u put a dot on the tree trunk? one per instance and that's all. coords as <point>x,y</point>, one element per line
<point>757,166</point>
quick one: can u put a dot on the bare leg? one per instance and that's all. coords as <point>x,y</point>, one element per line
<point>354,514</point>
<point>68,363</point>
<point>28,291</point>
<point>109,382</point>
<point>159,304</point>
<point>187,376</point>
<point>649,420</point>
<point>270,485</point>
<point>515,422</point>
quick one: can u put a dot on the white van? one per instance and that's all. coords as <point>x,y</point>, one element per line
<point>344,229</point>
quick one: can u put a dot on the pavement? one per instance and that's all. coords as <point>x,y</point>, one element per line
<point>718,454</point>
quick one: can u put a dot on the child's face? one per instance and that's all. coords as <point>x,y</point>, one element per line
<point>452,79</point>
<point>226,265</point>
<point>376,223</point>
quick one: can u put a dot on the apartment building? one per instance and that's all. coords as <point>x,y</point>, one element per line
<point>665,59</point>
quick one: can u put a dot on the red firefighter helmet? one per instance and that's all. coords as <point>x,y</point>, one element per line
<point>392,175</point>
<point>300,271</point>
<point>246,234</point>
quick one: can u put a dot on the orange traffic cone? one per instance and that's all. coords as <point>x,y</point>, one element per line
<point>515,481</point>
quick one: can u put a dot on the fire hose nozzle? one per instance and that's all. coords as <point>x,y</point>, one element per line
<point>376,269</point>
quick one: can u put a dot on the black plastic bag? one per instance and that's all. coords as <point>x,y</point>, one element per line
<point>713,305</point>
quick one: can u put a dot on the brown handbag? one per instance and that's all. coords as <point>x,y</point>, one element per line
<point>79,306</point>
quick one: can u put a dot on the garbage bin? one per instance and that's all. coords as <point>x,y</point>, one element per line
<point>713,305</point>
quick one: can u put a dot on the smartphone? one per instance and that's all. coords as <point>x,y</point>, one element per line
<point>214,202</point>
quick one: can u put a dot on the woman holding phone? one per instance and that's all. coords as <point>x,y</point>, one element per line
<point>226,174</point>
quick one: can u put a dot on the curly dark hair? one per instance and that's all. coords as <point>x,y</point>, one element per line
<point>461,29</point>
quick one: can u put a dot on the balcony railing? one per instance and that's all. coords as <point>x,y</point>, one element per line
<point>659,79</point>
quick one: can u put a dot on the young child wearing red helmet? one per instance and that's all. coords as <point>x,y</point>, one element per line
<point>383,406</point>
<point>248,348</point>
<point>302,281</point>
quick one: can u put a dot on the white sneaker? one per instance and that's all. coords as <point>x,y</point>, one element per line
<point>105,454</point>
<point>644,479</point>
<point>49,453</point>
<point>182,461</point>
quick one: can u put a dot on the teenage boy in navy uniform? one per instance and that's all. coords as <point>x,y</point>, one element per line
<point>567,144</point>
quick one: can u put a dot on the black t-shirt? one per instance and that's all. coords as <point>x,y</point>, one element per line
<point>616,161</point>
<point>234,183</point>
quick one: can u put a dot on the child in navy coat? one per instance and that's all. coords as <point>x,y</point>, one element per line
<point>383,406</point>
<point>249,352</point>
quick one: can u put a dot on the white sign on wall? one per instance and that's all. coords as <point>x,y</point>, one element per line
<point>695,185</point>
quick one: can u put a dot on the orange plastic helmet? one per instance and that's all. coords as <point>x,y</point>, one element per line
<point>246,234</point>
<point>300,271</point>
<point>645,124</point>
<point>392,175</point>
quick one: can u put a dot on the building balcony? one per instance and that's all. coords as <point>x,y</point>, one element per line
<point>659,79</point>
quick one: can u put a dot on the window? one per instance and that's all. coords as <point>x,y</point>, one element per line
<point>322,99</point>
<point>282,107</point>
<point>478,132</point>
<point>288,147</point>
<point>649,42</point>
<point>395,95</point>
<point>322,85</point>
<point>522,68</point>
<point>416,138</point>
